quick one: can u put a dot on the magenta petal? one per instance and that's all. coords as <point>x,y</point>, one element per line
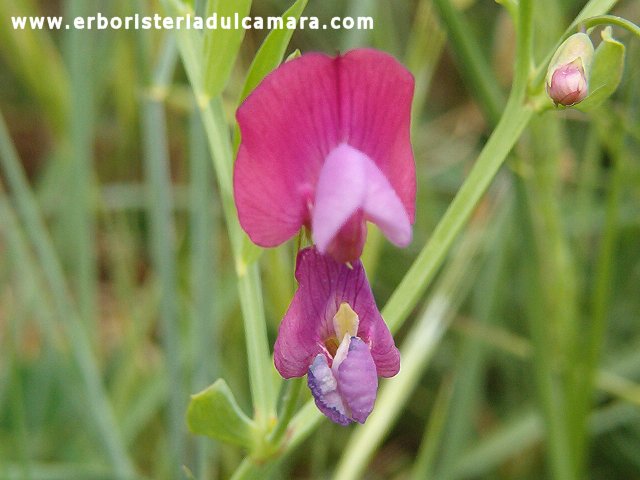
<point>298,341</point>
<point>289,124</point>
<point>358,380</point>
<point>298,115</point>
<point>324,388</point>
<point>323,284</point>
<point>375,113</point>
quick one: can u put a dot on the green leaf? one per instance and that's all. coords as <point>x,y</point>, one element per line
<point>215,413</point>
<point>272,50</point>
<point>606,71</point>
<point>221,45</point>
<point>269,56</point>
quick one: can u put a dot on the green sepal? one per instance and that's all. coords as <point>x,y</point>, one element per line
<point>220,45</point>
<point>606,71</point>
<point>577,47</point>
<point>215,413</point>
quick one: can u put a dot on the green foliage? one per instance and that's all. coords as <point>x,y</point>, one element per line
<point>215,413</point>
<point>270,53</point>
<point>221,45</point>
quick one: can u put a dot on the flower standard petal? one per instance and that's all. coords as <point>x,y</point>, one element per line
<point>292,123</point>
<point>375,114</point>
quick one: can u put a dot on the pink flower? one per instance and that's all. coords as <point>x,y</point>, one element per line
<point>334,332</point>
<point>325,144</point>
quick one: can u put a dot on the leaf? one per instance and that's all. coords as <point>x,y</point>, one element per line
<point>221,45</point>
<point>272,50</point>
<point>268,57</point>
<point>606,71</point>
<point>215,413</point>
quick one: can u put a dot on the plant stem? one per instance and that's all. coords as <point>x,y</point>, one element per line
<point>586,371</point>
<point>426,265</point>
<point>612,20</point>
<point>552,397</point>
<point>513,121</point>
<point>290,402</point>
<point>249,288</point>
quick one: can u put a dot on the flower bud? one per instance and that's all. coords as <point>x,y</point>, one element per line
<point>568,74</point>
<point>568,84</point>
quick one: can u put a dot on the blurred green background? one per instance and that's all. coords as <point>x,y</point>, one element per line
<point>117,288</point>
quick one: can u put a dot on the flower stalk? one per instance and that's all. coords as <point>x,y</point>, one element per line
<point>249,285</point>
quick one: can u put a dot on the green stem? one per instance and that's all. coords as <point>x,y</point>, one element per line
<point>604,265</point>
<point>433,436</point>
<point>249,285</point>
<point>426,265</point>
<point>471,369</point>
<point>612,20</point>
<point>249,288</point>
<point>290,402</point>
<point>513,121</point>
<point>586,370</point>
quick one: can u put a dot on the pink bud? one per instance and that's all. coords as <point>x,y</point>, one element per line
<point>568,72</point>
<point>568,84</point>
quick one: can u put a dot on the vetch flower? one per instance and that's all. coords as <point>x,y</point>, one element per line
<point>568,73</point>
<point>325,144</point>
<point>334,333</point>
